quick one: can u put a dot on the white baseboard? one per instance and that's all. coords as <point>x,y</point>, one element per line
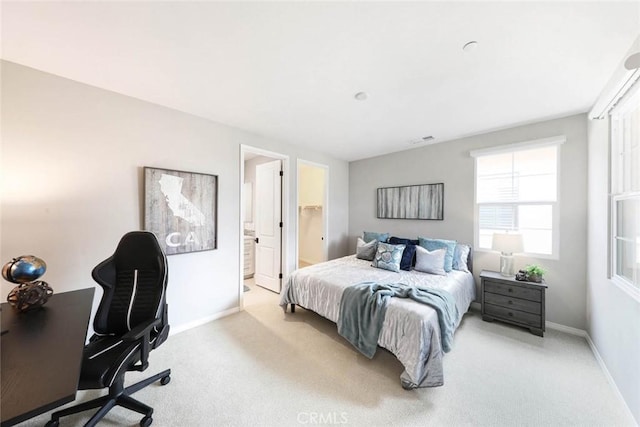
<point>567,329</point>
<point>607,374</point>
<point>596,354</point>
<point>204,320</point>
<point>582,333</point>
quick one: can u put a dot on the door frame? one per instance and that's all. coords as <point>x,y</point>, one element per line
<point>325,208</point>
<point>284,258</point>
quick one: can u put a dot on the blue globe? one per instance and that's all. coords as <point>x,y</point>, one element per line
<point>24,269</point>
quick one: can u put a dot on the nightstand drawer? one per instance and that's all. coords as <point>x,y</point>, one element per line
<point>518,316</point>
<point>513,303</point>
<point>512,291</point>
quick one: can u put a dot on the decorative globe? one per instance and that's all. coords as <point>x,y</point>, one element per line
<point>24,269</point>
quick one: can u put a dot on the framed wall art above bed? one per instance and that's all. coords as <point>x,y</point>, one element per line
<point>424,201</point>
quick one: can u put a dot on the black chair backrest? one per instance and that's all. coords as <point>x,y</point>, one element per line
<point>134,280</point>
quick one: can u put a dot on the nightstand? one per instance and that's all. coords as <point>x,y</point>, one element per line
<point>512,301</point>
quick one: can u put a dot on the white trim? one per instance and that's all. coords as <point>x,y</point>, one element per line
<point>556,141</point>
<point>610,97</point>
<point>608,376</point>
<point>582,333</point>
<point>628,102</point>
<point>284,259</point>
<point>624,285</point>
<point>517,146</point>
<point>204,320</point>
<point>566,329</point>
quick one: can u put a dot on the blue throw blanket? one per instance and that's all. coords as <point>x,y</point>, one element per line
<point>364,306</point>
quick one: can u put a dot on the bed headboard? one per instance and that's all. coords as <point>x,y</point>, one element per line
<point>470,259</point>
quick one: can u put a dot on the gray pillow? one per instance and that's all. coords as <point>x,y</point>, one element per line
<point>366,250</point>
<point>430,262</point>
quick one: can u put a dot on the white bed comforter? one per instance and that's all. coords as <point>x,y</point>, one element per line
<point>410,330</point>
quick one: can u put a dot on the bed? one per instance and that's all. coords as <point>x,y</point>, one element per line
<point>410,330</point>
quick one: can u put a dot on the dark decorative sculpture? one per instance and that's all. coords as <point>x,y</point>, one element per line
<point>30,292</point>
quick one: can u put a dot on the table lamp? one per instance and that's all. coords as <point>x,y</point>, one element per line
<point>507,244</point>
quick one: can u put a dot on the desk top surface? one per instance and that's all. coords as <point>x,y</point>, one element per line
<point>41,354</point>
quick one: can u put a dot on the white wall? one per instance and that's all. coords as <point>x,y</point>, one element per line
<point>450,163</point>
<point>72,158</point>
<point>613,317</point>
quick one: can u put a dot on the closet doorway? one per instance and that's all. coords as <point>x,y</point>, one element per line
<point>313,181</point>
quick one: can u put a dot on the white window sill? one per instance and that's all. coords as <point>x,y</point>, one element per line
<point>523,254</point>
<point>626,287</point>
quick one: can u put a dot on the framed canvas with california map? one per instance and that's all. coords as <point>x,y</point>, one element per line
<point>180,208</point>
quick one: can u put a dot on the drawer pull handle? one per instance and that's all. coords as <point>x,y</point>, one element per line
<point>510,289</point>
<point>510,302</point>
<point>510,314</point>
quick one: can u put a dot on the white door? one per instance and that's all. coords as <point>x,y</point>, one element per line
<point>268,230</point>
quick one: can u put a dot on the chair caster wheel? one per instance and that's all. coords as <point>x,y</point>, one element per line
<point>146,421</point>
<point>52,423</point>
<point>165,380</point>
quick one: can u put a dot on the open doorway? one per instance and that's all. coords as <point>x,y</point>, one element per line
<point>264,204</point>
<point>312,213</point>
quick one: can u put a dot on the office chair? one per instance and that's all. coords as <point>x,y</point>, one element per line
<point>131,320</point>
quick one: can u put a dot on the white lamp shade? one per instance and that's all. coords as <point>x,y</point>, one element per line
<point>507,243</point>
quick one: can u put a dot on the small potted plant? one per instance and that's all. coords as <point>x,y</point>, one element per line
<point>534,273</point>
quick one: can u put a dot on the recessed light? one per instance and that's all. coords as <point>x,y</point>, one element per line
<point>470,46</point>
<point>361,96</point>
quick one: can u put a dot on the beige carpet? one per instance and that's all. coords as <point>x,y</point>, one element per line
<point>263,368</point>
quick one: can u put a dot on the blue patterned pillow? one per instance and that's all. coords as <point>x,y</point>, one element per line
<point>433,244</point>
<point>388,256</point>
<point>368,236</point>
<point>408,259</point>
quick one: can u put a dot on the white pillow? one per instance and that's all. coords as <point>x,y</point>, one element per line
<point>365,250</point>
<point>430,262</point>
<point>460,256</point>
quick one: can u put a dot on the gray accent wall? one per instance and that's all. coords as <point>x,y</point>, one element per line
<point>450,163</point>
<point>71,167</point>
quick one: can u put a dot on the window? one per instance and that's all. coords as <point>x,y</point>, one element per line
<point>517,190</point>
<point>625,191</point>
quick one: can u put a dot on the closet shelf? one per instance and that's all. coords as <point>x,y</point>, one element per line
<point>311,207</point>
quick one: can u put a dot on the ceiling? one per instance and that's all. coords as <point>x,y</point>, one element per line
<point>289,70</point>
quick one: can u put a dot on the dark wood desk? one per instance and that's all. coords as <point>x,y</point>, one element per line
<point>42,354</point>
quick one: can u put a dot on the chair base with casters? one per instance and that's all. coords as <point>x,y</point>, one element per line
<point>118,396</point>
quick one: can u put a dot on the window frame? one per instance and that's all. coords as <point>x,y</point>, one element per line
<point>616,194</point>
<point>556,141</point>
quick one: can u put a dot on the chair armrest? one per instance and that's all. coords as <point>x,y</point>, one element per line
<point>140,330</point>
<point>142,333</point>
